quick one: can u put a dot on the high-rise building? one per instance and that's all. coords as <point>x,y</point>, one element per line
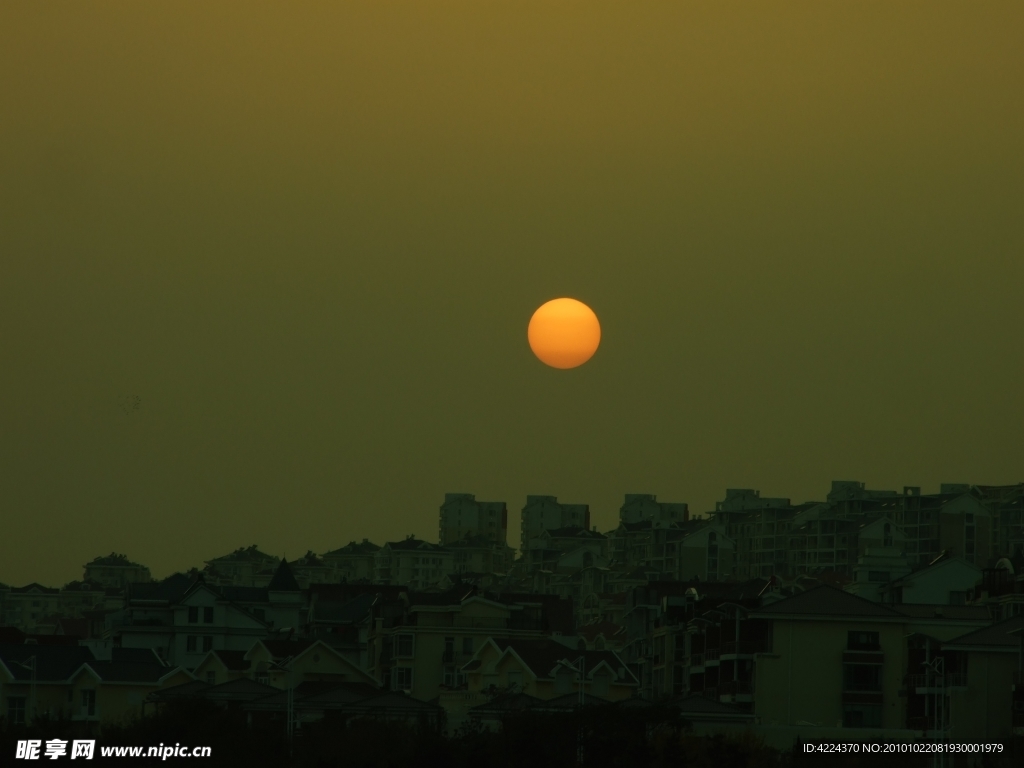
<point>546,513</point>
<point>462,516</point>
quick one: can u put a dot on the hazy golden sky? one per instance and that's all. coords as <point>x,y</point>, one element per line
<point>309,238</point>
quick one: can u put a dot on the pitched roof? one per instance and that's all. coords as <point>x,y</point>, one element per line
<point>114,559</point>
<point>1000,636</point>
<point>284,579</point>
<point>135,656</point>
<point>127,671</point>
<point>52,662</point>
<point>34,587</point>
<point>825,600</point>
<point>365,547</point>
<point>233,660</point>
<point>245,554</point>
<point>955,612</point>
<point>169,590</point>
<point>414,544</point>
<point>391,701</point>
<point>542,656</point>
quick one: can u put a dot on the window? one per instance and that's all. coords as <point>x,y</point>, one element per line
<point>878,575</point>
<point>208,643</point>
<point>515,680</point>
<point>193,615</point>
<point>211,678</point>
<point>89,702</point>
<point>259,613</point>
<point>449,650</point>
<point>208,615</point>
<point>190,644</point>
<point>467,645</point>
<point>862,677</point>
<point>957,598</point>
<point>862,641</point>
<point>403,646</point>
<point>16,709</point>
<point>402,677</point>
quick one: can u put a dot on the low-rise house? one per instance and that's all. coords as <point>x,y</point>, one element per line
<point>310,569</point>
<point>877,567</point>
<point>241,568</point>
<point>420,645</point>
<point>284,663</point>
<point>115,571</point>
<point>353,562</point>
<point>831,658</point>
<point>544,550</point>
<point>222,666</point>
<point>479,554</point>
<point>65,681</point>
<point>978,679</point>
<point>547,669</point>
<point>27,607</point>
<point>412,563</point>
<point>945,581</point>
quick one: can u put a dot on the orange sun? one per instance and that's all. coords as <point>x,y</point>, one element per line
<point>564,333</point>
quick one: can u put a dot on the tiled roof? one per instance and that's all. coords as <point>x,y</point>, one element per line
<point>996,636</point>
<point>34,587</point>
<point>542,656</point>
<point>135,656</point>
<point>243,594</point>
<point>169,590</point>
<point>344,612</point>
<point>128,672</point>
<point>282,649</point>
<point>284,579</point>
<point>828,601</point>
<point>52,662</point>
<point>955,612</point>
<point>414,544</point>
<point>233,660</point>
<point>364,547</point>
<point>244,554</point>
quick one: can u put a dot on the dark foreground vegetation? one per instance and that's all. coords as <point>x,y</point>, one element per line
<point>611,738</point>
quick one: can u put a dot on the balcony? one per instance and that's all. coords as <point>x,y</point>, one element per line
<point>710,657</point>
<point>710,693</point>
<point>696,659</point>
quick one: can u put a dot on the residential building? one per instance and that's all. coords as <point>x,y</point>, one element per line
<point>67,682</point>
<point>115,570</point>
<point>353,562</point>
<point>245,567</point>
<point>420,643</point>
<point>544,550</point>
<point>946,581</point>
<point>641,507</point>
<point>462,516</point>
<point>877,567</point>
<point>546,513</point>
<point>831,658</point>
<point>310,569</point>
<point>479,554</point>
<point>547,669</point>
<point>412,563</point>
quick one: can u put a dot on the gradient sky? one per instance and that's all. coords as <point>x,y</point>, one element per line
<point>309,241</point>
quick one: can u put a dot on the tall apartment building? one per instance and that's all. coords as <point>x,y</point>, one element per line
<point>546,513</point>
<point>462,516</point>
<point>644,507</point>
